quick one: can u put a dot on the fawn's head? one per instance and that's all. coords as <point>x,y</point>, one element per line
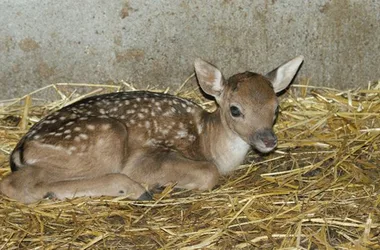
<point>248,101</point>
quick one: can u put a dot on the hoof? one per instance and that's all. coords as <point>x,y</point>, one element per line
<point>50,196</point>
<point>147,196</point>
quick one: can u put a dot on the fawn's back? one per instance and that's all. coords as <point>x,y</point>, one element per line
<point>152,120</point>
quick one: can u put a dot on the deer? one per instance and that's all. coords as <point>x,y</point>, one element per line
<point>127,143</point>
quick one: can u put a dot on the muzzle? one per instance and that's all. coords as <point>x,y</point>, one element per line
<point>264,140</point>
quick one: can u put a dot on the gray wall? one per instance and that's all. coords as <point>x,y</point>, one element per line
<point>155,42</point>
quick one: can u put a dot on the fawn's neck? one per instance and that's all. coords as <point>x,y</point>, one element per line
<point>220,144</point>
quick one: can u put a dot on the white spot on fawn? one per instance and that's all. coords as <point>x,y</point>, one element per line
<point>147,124</point>
<point>192,138</point>
<point>169,143</point>
<point>36,137</point>
<point>199,128</point>
<point>182,133</point>
<point>83,136</point>
<point>106,126</point>
<point>77,129</point>
<point>155,125</point>
<point>164,131</point>
<point>90,127</point>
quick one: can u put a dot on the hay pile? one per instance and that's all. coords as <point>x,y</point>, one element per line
<point>319,190</point>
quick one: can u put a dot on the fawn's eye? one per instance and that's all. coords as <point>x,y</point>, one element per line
<point>235,111</point>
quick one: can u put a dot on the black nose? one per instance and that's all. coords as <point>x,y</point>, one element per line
<point>269,143</point>
<point>268,137</point>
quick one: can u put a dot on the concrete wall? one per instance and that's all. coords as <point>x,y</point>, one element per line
<point>155,42</point>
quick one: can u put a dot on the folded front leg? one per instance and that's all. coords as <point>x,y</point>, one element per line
<point>159,167</point>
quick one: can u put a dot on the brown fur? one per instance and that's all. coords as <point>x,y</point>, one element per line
<point>124,143</point>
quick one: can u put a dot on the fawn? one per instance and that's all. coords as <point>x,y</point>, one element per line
<point>123,144</point>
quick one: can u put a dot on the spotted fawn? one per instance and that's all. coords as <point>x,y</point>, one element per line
<point>123,144</point>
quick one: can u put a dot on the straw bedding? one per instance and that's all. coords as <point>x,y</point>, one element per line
<point>318,190</point>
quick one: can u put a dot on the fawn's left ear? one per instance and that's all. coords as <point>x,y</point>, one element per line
<point>209,77</point>
<point>282,76</point>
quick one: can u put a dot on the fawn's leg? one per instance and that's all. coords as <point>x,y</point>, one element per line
<point>26,185</point>
<point>162,167</point>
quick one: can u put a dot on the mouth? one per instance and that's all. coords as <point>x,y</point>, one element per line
<point>261,147</point>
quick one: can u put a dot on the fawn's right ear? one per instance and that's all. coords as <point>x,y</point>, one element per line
<point>282,76</point>
<point>209,77</point>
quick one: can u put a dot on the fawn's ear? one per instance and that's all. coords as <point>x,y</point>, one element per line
<point>282,76</point>
<point>209,77</point>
